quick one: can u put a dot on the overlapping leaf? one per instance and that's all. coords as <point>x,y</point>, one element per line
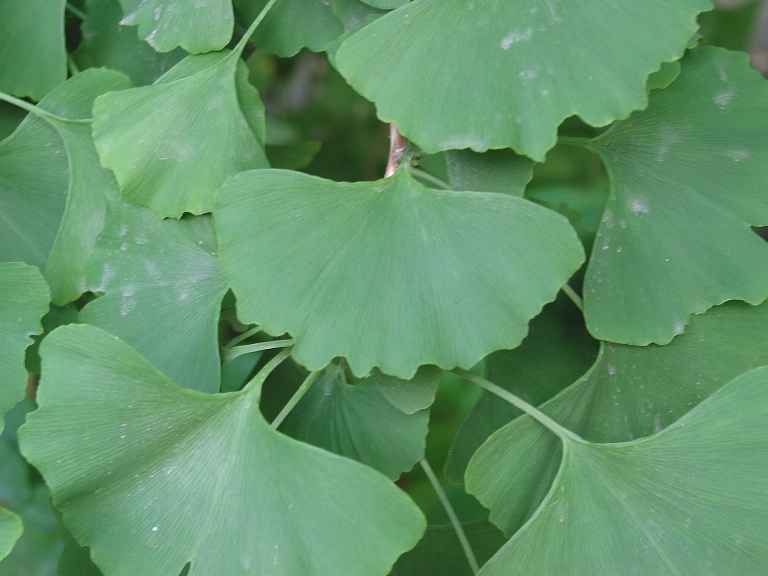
<point>173,476</point>
<point>33,58</point>
<point>495,74</point>
<point>203,26</point>
<point>162,292</point>
<point>108,43</point>
<point>556,352</point>
<point>292,25</point>
<point>53,191</point>
<point>389,274</point>
<point>631,392</point>
<point>171,145</point>
<point>380,421</point>
<point>495,171</point>
<point>688,180</point>
<point>24,300</point>
<point>10,531</point>
<point>692,499</point>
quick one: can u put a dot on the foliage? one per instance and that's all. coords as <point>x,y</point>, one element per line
<point>238,338</point>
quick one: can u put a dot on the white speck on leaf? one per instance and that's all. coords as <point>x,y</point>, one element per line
<point>639,206</point>
<point>515,37</point>
<point>723,99</point>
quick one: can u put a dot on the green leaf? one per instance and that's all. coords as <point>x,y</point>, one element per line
<point>631,392</point>
<point>688,500</point>
<point>167,24</point>
<point>10,531</point>
<point>511,79</point>
<point>292,25</point>
<point>688,179</point>
<point>176,476</point>
<point>108,43</point>
<point>495,171</point>
<point>24,298</point>
<point>389,274</point>
<point>556,352</point>
<point>33,58</point>
<point>52,217</point>
<point>379,421</point>
<point>156,273</point>
<point>171,145</point>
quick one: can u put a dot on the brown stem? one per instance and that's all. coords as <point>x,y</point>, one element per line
<point>397,147</point>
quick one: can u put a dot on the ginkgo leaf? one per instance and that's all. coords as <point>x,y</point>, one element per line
<point>10,531</point>
<point>556,352</point>
<point>389,274</point>
<point>379,421</point>
<point>171,145</point>
<point>505,76</point>
<point>33,58</point>
<point>203,26</point>
<point>51,217</point>
<point>292,25</point>
<point>631,392</point>
<point>24,298</point>
<point>692,499</point>
<point>108,43</point>
<point>495,171</point>
<point>688,180</point>
<point>175,476</point>
<point>154,273</point>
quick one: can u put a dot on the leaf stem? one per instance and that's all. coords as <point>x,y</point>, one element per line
<point>238,351</point>
<point>452,516</point>
<point>76,11</point>
<point>560,431</point>
<point>426,176</point>
<point>252,28</point>
<point>243,336</point>
<point>295,399</point>
<point>575,298</point>
<point>40,112</point>
<point>397,147</point>
<point>261,376</point>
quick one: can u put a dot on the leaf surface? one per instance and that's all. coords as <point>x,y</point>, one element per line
<point>389,274</point>
<point>33,58</point>
<point>379,421</point>
<point>53,190</point>
<point>691,499</point>
<point>633,392</point>
<point>688,181</point>
<point>171,145</point>
<point>203,26</point>
<point>162,293</point>
<point>174,475</point>
<point>108,43</point>
<point>496,74</point>
<point>10,531</point>
<point>24,298</point>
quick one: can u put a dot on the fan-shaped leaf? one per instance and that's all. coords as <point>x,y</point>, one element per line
<point>156,273</point>
<point>53,190</point>
<point>172,144</point>
<point>692,499</point>
<point>108,43</point>
<point>389,274</point>
<point>632,392</point>
<point>33,58</point>
<point>24,300</point>
<point>176,476</point>
<point>203,26</point>
<point>556,352</point>
<point>292,25</point>
<point>379,421</point>
<point>688,179</point>
<point>10,531</point>
<point>420,65</point>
